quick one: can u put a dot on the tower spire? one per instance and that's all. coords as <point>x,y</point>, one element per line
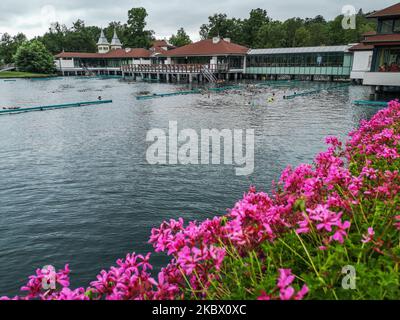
<point>115,42</point>
<point>103,45</point>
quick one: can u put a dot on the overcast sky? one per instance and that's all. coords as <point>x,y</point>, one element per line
<point>33,17</point>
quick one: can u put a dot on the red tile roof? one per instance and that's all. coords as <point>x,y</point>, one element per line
<point>382,38</point>
<point>393,10</point>
<point>369,33</point>
<point>113,54</point>
<point>361,47</point>
<point>208,48</point>
<point>157,51</point>
<point>162,43</point>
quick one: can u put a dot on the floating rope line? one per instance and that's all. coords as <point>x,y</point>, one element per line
<point>370,103</point>
<point>306,93</point>
<point>52,107</point>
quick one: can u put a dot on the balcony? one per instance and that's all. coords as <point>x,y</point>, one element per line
<point>175,68</point>
<point>382,79</point>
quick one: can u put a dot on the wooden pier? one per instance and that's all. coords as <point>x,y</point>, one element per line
<point>180,72</point>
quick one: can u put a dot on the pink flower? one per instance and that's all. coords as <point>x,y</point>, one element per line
<point>264,296</point>
<point>341,233</point>
<point>285,278</point>
<point>369,236</point>
<point>327,218</point>
<point>397,224</point>
<point>287,293</point>
<point>302,293</point>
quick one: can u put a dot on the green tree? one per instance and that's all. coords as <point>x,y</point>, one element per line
<point>180,39</point>
<point>32,56</point>
<point>291,26</point>
<point>78,38</point>
<point>220,25</point>
<point>119,28</point>
<point>318,33</point>
<point>302,37</point>
<point>54,38</point>
<point>271,35</point>
<point>251,26</point>
<point>136,36</point>
<point>9,46</point>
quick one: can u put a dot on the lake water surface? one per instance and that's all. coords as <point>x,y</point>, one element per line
<point>75,186</point>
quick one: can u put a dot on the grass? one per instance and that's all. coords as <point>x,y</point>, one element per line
<point>18,74</point>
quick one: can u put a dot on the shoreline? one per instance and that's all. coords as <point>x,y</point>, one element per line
<point>24,75</point>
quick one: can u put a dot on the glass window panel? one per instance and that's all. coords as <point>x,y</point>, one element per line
<point>387,26</point>
<point>396,27</point>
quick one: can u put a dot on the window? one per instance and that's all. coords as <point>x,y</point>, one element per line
<point>386,26</point>
<point>396,27</point>
<point>389,60</point>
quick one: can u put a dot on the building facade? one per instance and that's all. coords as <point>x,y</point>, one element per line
<point>108,59</point>
<point>384,74</point>
<point>311,62</point>
<point>362,59</point>
<point>210,59</point>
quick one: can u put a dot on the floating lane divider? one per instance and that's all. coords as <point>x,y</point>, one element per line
<point>9,80</point>
<point>225,88</point>
<point>163,95</point>
<point>53,107</point>
<point>45,78</point>
<point>306,93</point>
<point>276,82</point>
<point>370,103</point>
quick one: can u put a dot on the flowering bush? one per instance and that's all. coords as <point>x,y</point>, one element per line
<point>341,211</point>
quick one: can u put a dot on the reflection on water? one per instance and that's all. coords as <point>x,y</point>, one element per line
<point>75,186</point>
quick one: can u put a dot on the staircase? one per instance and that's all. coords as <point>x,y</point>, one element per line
<point>87,71</point>
<point>205,71</point>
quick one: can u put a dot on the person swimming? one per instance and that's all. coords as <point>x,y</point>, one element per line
<point>271,99</point>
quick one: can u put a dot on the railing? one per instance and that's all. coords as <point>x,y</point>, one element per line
<point>175,68</point>
<point>209,75</point>
<point>7,67</point>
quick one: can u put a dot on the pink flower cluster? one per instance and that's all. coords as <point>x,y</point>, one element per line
<point>308,199</point>
<point>285,288</point>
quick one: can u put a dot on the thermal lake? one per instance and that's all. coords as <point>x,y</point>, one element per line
<point>75,186</point>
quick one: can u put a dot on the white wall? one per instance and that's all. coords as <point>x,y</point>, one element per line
<point>64,64</point>
<point>141,61</point>
<point>382,78</point>
<point>361,64</point>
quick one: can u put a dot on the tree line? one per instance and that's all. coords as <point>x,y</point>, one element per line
<point>258,30</point>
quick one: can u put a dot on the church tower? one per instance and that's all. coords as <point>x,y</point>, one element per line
<point>103,46</point>
<point>115,42</point>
